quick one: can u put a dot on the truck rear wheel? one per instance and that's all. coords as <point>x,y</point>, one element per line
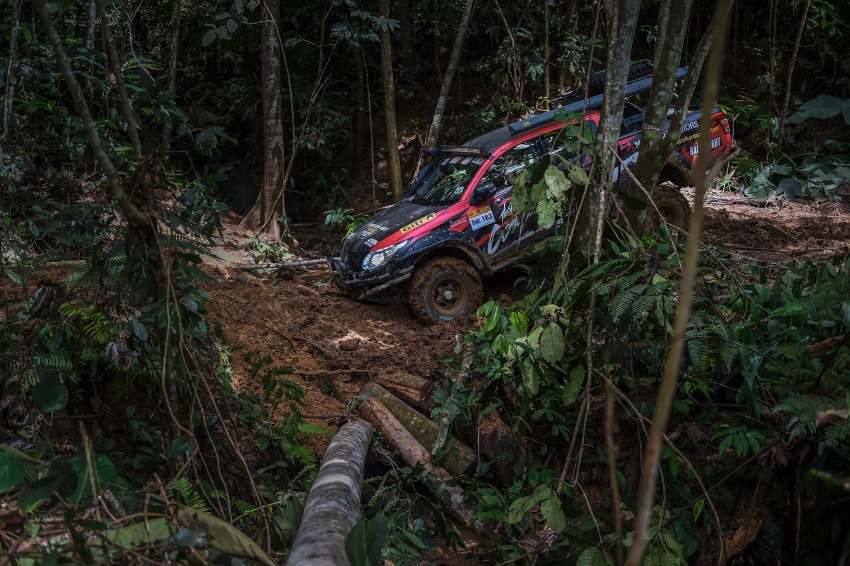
<point>444,289</point>
<point>671,203</point>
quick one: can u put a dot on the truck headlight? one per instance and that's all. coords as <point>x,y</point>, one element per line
<point>374,260</point>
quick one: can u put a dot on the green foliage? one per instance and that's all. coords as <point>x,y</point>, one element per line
<point>344,220</point>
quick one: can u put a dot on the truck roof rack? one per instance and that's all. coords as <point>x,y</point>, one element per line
<point>464,150</point>
<point>593,103</point>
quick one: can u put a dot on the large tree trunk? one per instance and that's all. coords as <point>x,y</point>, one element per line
<point>656,146</point>
<point>389,106</point>
<point>333,505</point>
<point>268,205</point>
<point>622,21</point>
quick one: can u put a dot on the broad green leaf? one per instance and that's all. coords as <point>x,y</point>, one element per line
<point>60,478</point>
<point>791,188</point>
<point>546,213</point>
<point>223,535</point>
<point>822,106</point>
<point>355,545</point>
<point>551,510</point>
<point>697,510</point>
<point>523,505</point>
<point>556,182</point>
<point>552,343</point>
<point>519,322</point>
<point>11,472</point>
<point>50,394</point>
<point>529,377</point>
<point>377,533</point>
<point>139,330</point>
<point>578,175</point>
<point>141,533</point>
<point>97,476</point>
<point>573,387</point>
<point>594,557</point>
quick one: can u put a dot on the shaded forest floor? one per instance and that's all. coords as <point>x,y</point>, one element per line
<point>334,344</point>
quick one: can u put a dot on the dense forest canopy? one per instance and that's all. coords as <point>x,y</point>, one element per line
<point>645,390</point>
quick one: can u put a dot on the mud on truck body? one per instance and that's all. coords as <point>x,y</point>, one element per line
<point>456,224</point>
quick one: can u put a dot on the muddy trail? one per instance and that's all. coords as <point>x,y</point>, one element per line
<point>335,344</point>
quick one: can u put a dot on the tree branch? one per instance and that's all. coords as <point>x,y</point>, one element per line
<point>136,217</point>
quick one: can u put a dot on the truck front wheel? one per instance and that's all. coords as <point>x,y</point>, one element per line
<point>444,289</point>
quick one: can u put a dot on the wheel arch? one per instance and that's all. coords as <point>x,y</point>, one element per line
<point>472,256</point>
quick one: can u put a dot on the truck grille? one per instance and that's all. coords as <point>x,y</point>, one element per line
<point>353,260</point>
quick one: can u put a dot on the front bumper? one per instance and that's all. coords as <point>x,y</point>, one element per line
<point>364,285</point>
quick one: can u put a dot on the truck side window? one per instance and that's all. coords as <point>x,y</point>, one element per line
<point>503,172</point>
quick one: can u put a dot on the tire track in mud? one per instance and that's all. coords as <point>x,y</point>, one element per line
<point>332,343</point>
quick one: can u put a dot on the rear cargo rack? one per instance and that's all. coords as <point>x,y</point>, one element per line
<point>593,103</point>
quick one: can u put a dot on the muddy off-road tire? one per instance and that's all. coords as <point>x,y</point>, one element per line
<point>444,289</point>
<point>671,203</point>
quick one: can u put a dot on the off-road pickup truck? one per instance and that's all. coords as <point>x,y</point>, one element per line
<point>456,223</point>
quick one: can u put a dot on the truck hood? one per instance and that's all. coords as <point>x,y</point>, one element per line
<point>391,226</point>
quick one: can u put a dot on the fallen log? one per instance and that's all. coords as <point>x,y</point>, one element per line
<point>414,453</point>
<point>502,446</point>
<point>333,505</point>
<point>458,458</point>
<point>411,389</point>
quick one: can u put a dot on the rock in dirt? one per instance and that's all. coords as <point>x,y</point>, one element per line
<point>349,343</point>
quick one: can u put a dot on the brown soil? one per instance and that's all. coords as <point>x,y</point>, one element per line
<point>300,323</point>
<point>778,230</point>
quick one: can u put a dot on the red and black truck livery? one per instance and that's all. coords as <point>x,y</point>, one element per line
<point>456,223</point>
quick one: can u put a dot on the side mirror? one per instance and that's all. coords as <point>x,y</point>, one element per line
<point>481,193</point>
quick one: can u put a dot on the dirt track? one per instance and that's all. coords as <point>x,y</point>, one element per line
<point>300,323</point>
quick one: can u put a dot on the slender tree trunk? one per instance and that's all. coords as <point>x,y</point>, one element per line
<point>136,216</point>
<point>171,86</point>
<point>360,132</point>
<point>787,96</point>
<point>656,146</point>
<point>268,205</point>
<point>565,74</point>
<point>437,121</point>
<point>115,63</point>
<point>673,361</point>
<point>622,22</point>
<point>672,29</point>
<point>389,107</point>
<point>405,33</point>
<point>546,54</point>
<point>10,69</point>
<point>91,32</point>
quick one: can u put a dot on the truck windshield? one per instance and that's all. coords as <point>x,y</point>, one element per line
<point>445,183</point>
